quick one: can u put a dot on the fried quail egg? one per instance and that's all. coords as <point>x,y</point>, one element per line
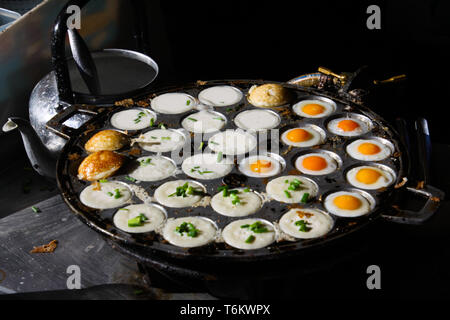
<point>348,127</point>
<point>257,119</point>
<point>306,223</point>
<point>260,166</point>
<point>168,140</point>
<point>189,232</point>
<point>179,193</point>
<point>153,168</point>
<point>291,189</point>
<point>232,142</point>
<point>314,108</point>
<point>268,95</point>
<point>133,119</point>
<point>173,103</point>
<point>242,203</point>
<point>128,218</point>
<point>249,234</point>
<point>220,96</point>
<point>370,178</point>
<point>207,166</point>
<point>204,122</point>
<point>105,195</point>
<point>316,164</point>
<point>368,150</point>
<point>347,204</point>
<point>302,137</point>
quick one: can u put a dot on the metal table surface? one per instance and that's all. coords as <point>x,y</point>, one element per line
<point>415,257</point>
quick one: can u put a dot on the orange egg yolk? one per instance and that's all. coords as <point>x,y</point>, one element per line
<point>367,176</point>
<point>314,163</point>
<point>313,109</point>
<point>261,166</point>
<point>368,148</point>
<point>298,135</point>
<point>347,202</point>
<point>348,125</point>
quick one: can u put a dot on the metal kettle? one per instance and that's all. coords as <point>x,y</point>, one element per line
<point>87,78</point>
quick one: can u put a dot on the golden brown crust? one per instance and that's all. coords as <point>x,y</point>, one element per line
<point>268,95</point>
<point>46,248</point>
<point>106,140</point>
<point>99,165</point>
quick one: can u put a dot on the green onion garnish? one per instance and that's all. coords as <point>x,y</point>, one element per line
<point>110,194</point>
<point>117,194</point>
<point>219,118</point>
<point>201,145</point>
<point>246,190</point>
<point>188,102</point>
<point>213,142</point>
<point>303,225</point>
<point>146,162</point>
<point>188,228</point>
<point>165,138</point>
<point>152,122</point>
<point>192,119</point>
<point>245,226</point>
<point>137,221</point>
<point>250,239</point>
<point>305,198</point>
<point>219,157</point>
<point>130,179</point>
<point>103,180</point>
<point>35,209</point>
<point>287,193</point>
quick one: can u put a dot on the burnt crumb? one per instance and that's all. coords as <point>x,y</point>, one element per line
<point>124,103</point>
<point>420,185</point>
<point>435,199</point>
<point>201,83</point>
<point>73,156</point>
<point>143,103</point>
<point>46,248</point>
<point>397,154</point>
<point>135,152</point>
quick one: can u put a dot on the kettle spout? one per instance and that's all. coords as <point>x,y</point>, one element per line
<point>40,157</point>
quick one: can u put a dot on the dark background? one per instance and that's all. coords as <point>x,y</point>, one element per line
<point>278,40</point>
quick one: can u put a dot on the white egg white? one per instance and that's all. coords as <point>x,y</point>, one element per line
<point>384,180</point>
<point>164,194</point>
<point>133,119</point>
<point>362,129</point>
<point>276,189</point>
<point>245,166</point>
<point>329,108</point>
<point>365,207</point>
<point>153,168</point>
<point>207,232</point>
<point>234,235</point>
<point>173,103</point>
<point>352,150</point>
<point>315,138</point>
<point>257,119</point>
<point>331,164</point>
<point>207,166</point>
<point>232,142</point>
<point>318,223</point>
<point>250,202</point>
<point>105,197</point>
<point>155,217</point>
<point>204,122</point>
<point>168,139</point>
<point>220,96</point>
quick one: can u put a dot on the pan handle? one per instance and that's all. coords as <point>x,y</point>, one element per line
<point>56,124</point>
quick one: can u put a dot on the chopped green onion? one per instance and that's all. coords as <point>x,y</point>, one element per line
<point>258,227</point>
<point>137,221</point>
<point>188,228</point>
<point>229,109</point>
<point>130,179</point>
<point>250,239</point>
<point>192,119</point>
<point>117,194</point>
<point>219,157</point>
<point>146,162</point>
<point>246,190</point>
<point>303,225</point>
<point>245,226</point>
<point>110,194</point>
<point>287,193</point>
<point>201,145</point>
<point>165,138</point>
<point>188,102</point>
<point>305,198</point>
<point>35,209</point>
<point>103,180</point>
<point>213,142</point>
<point>162,126</point>
<point>219,118</point>
<point>125,209</point>
<point>152,122</point>
<point>153,137</point>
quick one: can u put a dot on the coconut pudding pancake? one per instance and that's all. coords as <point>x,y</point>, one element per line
<point>314,108</point>
<point>179,193</point>
<point>348,127</point>
<point>220,96</point>
<point>316,164</point>
<point>162,140</point>
<point>133,119</point>
<point>204,122</point>
<point>106,140</point>
<point>268,95</point>
<point>306,136</point>
<point>347,204</point>
<point>305,223</point>
<point>232,142</point>
<point>292,189</point>
<point>369,177</point>
<point>100,165</point>
<point>249,234</point>
<point>153,168</point>
<point>236,202</point>
<point>369,150</point>
<point>207,166</point>
<point>188,232</point>
<point>173,103</point>
<point>257,119</point>
<point>105,195</point>
<point>260,166</point>
<point>139,218</point>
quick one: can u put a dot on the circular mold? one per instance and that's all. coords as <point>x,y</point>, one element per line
<point>256,123</point>
<point>364,123</point>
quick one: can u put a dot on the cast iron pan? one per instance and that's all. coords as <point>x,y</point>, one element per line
<point>101,220</point>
